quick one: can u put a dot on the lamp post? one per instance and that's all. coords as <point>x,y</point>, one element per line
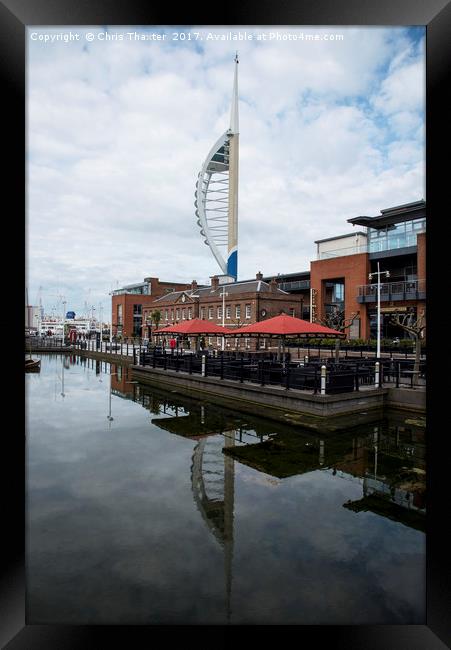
<point>64,314</point>
<point>223,294</point>
<point>111,323</point>
<point>101,325</point>
<point>370,275</point>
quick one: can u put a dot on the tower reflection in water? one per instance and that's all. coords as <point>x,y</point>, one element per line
<point>386,459</point>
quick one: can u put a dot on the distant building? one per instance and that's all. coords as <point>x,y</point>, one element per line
<point>33,316</point>
<point>244,303</point>
<point>129,302</point>
<point>338,280</point>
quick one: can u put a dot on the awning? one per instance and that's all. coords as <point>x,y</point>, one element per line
<point>284,325</point>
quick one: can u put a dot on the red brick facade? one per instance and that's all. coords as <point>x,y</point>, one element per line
<point>353,269</point>
<point>421,255</point>
<point>246,303</point>
<point>123,323</point>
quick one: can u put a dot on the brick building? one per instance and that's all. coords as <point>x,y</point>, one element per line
<point>244,303</point>
<point>339,278</point>
<point>130,301</point>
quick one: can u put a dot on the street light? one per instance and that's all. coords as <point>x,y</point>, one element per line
<point>64,314</point>
<point>223,294</point>
<point>111,322</point>
<point>370,275</point>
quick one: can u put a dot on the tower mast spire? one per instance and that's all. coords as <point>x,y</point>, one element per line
<point>234,123</point>
<point>217,216</point>
<point>232,253</point>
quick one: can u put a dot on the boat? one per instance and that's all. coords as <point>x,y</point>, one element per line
<point>32,365</point>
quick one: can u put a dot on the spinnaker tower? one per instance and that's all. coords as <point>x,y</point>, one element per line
<point>217,194</point>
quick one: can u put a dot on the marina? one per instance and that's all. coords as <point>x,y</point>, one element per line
<point>147,506</point>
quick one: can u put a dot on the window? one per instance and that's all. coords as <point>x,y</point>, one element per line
<point>202,313</point>
<point>184,314</point>
<point>119,314</point>
<point>172,314</point>
<point>210,312</point>
<point>339,292</point>
<point>166,314</point>
<point>228,311</point>
<point>219,312</point>
<point>177,314</point>
<point>237,311</point>
<point>292,311</point>
<point>190,313</point>
<point>218,340</point>
<point>248,311</point>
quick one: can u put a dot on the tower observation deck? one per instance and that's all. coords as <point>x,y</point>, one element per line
<point>216,197</point>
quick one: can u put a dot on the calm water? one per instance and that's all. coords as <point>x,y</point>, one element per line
<point>177,511</point>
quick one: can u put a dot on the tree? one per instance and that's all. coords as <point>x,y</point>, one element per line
<point>415,327</point>
<point>336,320</point>
<point>156,317</point>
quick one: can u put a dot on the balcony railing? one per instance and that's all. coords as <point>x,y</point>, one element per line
<point>294,285</point>
<point>393,242</point>
<point>414,290</point>
<point>343,252</point>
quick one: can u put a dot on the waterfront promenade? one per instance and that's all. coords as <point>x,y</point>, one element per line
<point>310,391</point>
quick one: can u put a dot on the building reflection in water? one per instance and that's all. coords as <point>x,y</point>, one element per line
<point>386,459</point>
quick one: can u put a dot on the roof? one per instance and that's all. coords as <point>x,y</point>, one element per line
<point>248,286</point>
<point>284,325</point>
<point>350,234</point>
<point>390,216</point>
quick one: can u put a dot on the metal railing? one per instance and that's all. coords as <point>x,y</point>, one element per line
<point>346,376</point>
<point>394,290</point>
<point>294,284</point>
<point>40,342</point>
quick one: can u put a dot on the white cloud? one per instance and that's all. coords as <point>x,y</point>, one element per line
<point>117,132</point>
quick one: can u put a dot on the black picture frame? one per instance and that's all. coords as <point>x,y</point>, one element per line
<point>15,15</point>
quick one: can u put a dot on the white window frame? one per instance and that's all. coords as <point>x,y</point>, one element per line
<point>228,311</point>
<point>210,313</point>
<point>248,311</point>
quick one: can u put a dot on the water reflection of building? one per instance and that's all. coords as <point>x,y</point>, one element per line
<point>388,461</point>
<point>394,480</point>
<point>121,384</point>
<point>212,472</point>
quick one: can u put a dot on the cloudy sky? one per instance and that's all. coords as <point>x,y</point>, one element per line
<point>119,125</point>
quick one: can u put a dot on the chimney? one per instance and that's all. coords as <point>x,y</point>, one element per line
<point>259,276</point>
<point>214,282</point>
<point>194,286</point>
<point>273,285</point>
